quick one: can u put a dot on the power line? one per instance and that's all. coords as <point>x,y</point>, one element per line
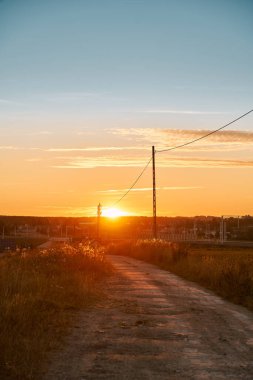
<point>176,147</point>
<point>134,183</point>
<point>204,136</point>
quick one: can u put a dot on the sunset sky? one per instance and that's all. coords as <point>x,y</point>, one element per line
<point>87,87</point>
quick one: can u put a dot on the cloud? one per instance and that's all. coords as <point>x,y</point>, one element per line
<point>73,211</point>
<point>162,162</point>
<point>95,162</point>
<point>167,188</point>
<point>173,137</point>
<point>200,162</point>
<point>97,149</point>
<point>66,150</point>
<point>180,112</point>
<point>9,147</point>
<point>212,152</point>
<point>221,136</point>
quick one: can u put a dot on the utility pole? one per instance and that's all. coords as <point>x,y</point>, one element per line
<point>154,194</point>
<point>99,212</point>
<point>222,230</point>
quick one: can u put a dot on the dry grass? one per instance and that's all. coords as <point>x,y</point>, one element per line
<point>226,271</point>
<point>40,292</point>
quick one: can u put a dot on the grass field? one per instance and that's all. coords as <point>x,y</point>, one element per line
<point>40,293</point>
<point>226,271</point>
<point>10,243</point>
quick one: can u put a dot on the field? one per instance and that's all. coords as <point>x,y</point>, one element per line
<point>40,293</point>
<point>226,271</point>
<point>11,243</point>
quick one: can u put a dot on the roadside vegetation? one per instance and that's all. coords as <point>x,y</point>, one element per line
<point>8,244</point>
<point>40,294</point>
<point>226,271</point>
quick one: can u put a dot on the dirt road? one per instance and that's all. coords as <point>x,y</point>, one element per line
<point>155,325</point>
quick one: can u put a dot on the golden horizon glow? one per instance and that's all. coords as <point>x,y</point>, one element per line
<point>114,213</point>
<point>211,178</point>
<point>82,131</point>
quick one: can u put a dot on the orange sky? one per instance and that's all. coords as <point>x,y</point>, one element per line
<point>45,175</point>
<point>87,87</point>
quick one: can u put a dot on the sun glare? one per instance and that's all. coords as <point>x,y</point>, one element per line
<point>113,213</point>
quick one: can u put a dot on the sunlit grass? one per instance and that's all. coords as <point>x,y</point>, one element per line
<point>40,292</point>
<point>226,271</point>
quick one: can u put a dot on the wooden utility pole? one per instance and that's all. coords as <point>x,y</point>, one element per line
<point>154,194</point>
<point>99,212</point>
<point>222,230</point>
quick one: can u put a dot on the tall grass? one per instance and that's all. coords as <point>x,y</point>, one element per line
<point>40,291</point>
<point>226,271</point>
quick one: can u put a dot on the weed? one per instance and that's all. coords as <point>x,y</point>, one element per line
<point>226,271</point>
<point>40,291</point>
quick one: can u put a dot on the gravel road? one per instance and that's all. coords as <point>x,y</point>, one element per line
<point>154,325</point>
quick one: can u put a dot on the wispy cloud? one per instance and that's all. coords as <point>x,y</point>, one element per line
<point>94,162</point>
<point>97,149</point>
<point>12,147</point>
<point>9,147</point>
<point>180,112</point>
<point>221,136</point>
<point>74,149</point>
<point>200,162</point>
<point>72,210</point>
<point>167,188</point>
<point>163,162</point>
<point>216,151</point>
<point>172,137</point>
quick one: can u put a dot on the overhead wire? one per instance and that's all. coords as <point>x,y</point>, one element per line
<point>204,136</point>
<point>177,147</point>
<point>134,183</point>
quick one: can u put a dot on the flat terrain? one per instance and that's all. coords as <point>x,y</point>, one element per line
<point>154,325</point>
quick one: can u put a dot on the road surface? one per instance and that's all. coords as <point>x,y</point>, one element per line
<point>154,325</point>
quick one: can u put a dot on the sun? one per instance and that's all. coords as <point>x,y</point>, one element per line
<point>113,212</point>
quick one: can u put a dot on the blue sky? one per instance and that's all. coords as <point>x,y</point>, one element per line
<point>123,56</point>
<point>78,75</point>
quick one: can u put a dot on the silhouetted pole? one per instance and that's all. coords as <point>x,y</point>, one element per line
<point>99,212</point>
<point>222,230</point>
<point>154,194</point>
